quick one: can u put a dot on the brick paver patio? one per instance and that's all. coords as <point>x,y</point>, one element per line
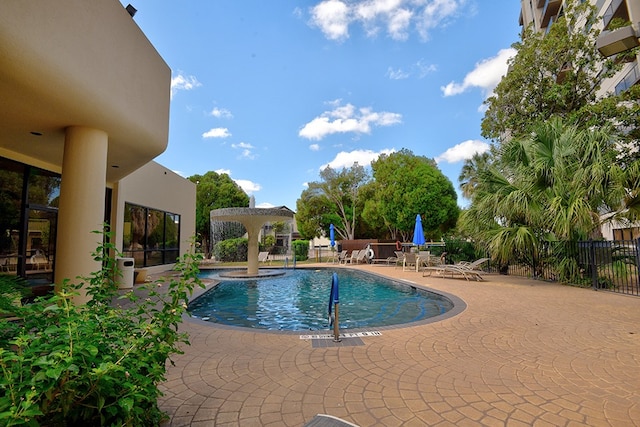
<point>523,353</point>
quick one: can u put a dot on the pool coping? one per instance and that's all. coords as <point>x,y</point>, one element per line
<point>459,306</point>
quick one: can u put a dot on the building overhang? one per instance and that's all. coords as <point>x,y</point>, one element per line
<point>610,43</point>
<point>78,63</point>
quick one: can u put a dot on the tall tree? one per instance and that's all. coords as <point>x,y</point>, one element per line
<point>335,199</point>
<point>559,73</point>
<point>559,183</point>
<point>214,191</point>
<point>470,171</point>
<point>407,185</point>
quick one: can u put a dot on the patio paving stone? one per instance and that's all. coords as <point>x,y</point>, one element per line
<point>522,353</point>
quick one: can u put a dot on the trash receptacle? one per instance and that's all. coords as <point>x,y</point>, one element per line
<point>125,278</point>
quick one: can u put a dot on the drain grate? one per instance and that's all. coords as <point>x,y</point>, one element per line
<point>342,335</point>
<point>345,342</point>
<point>347,339</point>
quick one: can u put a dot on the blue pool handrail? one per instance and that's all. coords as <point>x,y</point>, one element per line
<point>334,301</point>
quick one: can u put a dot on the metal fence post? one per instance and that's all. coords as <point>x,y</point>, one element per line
<point>592,265</point>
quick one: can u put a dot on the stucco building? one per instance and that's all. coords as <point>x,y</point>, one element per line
<point>614,39</point>
<point>84,111</point>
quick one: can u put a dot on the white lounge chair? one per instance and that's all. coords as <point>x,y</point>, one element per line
<point>263,257</point>
<point>353,258</point>
<point>473,265</point>
<point>362,256</point>
<point>453,270</point>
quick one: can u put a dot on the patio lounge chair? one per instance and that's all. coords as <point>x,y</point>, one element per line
<point>473,265</point>
<point>362,257</point>
<point>453,270</point>
<point>263,257</point>
<point>398,259</point>
<point>353,258</point>
<point>342,257</point>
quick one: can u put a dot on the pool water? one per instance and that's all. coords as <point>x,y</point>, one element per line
<point>298,301</point>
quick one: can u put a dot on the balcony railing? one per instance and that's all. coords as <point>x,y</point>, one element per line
<point>613,42</point>
<point>631,78</point>
<point>550,10</point>
<point>611,12</point>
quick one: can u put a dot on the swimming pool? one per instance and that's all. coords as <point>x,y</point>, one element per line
<point>298,301</point>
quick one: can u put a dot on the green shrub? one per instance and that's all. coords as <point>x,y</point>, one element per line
<point>461,250</point>
<point>301,249</point>
<point>269,242</point>
<point>98,363</point>
<point>13,289</point>
<point>231,250</point>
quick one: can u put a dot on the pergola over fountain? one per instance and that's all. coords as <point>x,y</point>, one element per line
<point>253,219</point>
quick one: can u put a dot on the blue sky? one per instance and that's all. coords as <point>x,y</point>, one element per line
<point>270,92</point>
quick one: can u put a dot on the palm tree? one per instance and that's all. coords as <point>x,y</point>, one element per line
<point>554,185</point>
<point>469,174</point>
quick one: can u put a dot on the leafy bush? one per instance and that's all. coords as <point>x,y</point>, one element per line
<point>269,242</point>
<point>99,363</point>
<point>12,290</point>
<point>301,249</point>
<point>231,250</point>
<point>461,250</point>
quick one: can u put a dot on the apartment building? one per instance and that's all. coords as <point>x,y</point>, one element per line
<point>84,111</point>
<point>543,13</point>
<point>613,40</point>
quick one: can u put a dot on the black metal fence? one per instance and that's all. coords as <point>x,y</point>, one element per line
<point>612,265</point>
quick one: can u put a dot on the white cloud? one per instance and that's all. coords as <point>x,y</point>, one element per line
<point>182,82</point>
<point>486,75</point>
<point>346,119</point>
<point>424,69</point>
<point>265,205</point>
<point>362,157</point>
<point>398,74</point>
<point>419,69</point>
<point>217,133</point>
<point>437,13</point>
<point>314,147</point>
<point>463,151</point>
<point>396,17</point>
<point>246,150</point>
<point>332,17</point>
<point>221,113</point>
<point>249,187</point>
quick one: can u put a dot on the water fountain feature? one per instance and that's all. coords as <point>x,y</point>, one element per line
<point>253,219</point>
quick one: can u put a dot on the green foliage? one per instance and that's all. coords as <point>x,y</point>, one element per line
<point>12,290</point>
<point>556,184</point>
<point>558,73</point>
<point>301,249</point>
<point>617,22</point>
<point>214,191</point>
<point>461,250</point>
<point>336,200</point>
<point>269,241</point>
<point>99,363</point>
<point>231,250</point>
<point>406,185</point>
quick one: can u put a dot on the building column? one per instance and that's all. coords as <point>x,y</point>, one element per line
<point>81,208</point>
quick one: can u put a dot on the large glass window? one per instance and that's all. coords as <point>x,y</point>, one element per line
<point>151,236</point>
<point>28,220</point>
<point>11,197</point>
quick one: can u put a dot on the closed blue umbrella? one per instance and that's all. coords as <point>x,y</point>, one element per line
<point>418,234</point>
<point>332,235</point>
